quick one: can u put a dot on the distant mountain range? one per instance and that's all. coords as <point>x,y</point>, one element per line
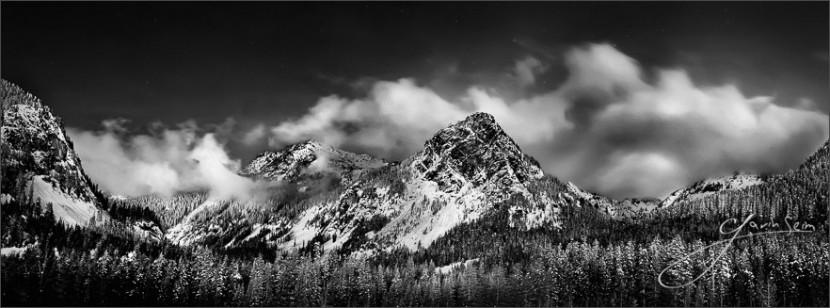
<point>336,200</point>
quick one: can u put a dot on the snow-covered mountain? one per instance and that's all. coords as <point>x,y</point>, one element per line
<point>337,199</point>
<point>819,160</point>
<point>310,159</point>
<point>464,172</point>
<point>38,160</point>
<point>478,153</point>
<point>703,188</point>
<point>38,164</point>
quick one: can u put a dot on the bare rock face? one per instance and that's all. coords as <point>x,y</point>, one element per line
<point>34,143</point>
<point>464,173</point>
<point>476,151</point>
<point>309,158</point>
<point>38,163</point>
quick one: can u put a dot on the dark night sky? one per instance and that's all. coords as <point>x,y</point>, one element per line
<point>267,61</point>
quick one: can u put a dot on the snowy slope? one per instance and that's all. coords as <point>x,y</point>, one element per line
<point>69,209</point>
<point>309,158</point>
<point>185,232</point>
<point>449,268</point>
<point>477,152</point>
<point>461,174</point>
<point>15,251</point>
<point>39,156</point>
<point>711,186</point>
<point>38,145</point>
<point>462,171</point>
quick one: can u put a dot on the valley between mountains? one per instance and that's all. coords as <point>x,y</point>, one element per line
<point>470,207</point>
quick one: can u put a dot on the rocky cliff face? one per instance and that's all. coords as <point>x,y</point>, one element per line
<point>38,160</point>
<point>39,165</point>
<point>464,172</point>
<point>476,152</point>
<point>310,159</point>
<point>459,176</point>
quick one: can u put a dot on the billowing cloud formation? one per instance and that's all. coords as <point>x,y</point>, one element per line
<point>255,135</point>
<point>526,71</point>
<point>605,127</point>
<point>396,118</point>
<point>164,162</point>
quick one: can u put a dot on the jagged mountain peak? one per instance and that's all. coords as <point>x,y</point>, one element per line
<point>13,94</point>
<point>479,125</point>
<point>479,121</point>
<point>309,157</point>
<point>475,150</point>
<point>309,144</point>
<point>39,161</point>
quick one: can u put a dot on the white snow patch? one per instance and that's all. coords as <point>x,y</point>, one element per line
<point>147,229</point>
<point>536,217</point>
<point>382,191</point>
<point>734,182</point>
<point>303,231</point>
<point>70,210</point>
<point>14,251</point>
<point>6,199</point>
<point>421,227</point>
<point>579,192</point>
<point>447,269</point>
<point>258,230</point>
<point>341,239</point>
<point>182,233</point>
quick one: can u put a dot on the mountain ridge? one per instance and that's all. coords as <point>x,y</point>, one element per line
<point>465,171</point>
<point>39,157</point>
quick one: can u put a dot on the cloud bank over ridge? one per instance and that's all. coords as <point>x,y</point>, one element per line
<point>610,126</point>
<point>164,161</point>
<point>607,127</point>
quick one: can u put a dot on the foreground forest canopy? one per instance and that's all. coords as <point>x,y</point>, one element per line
<point>83,267</point>
<point>367,234</point>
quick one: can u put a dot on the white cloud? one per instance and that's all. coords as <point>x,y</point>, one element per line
<point>604,127</point>
<point>394,119</point>
<point>526,71</point>
<point>601,68</point>
<point>806,104</point>
<point>171,161</point>
<point>255,135</point>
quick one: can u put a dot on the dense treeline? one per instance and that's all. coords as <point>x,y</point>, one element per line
<point>491,237</point>
<point>91,266</point>
<point>169,210</point>
<point>801,194</point>
<point>797,196</point>
<point>593,259</point>
<point>34,226</point>
<point>783,270</point>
